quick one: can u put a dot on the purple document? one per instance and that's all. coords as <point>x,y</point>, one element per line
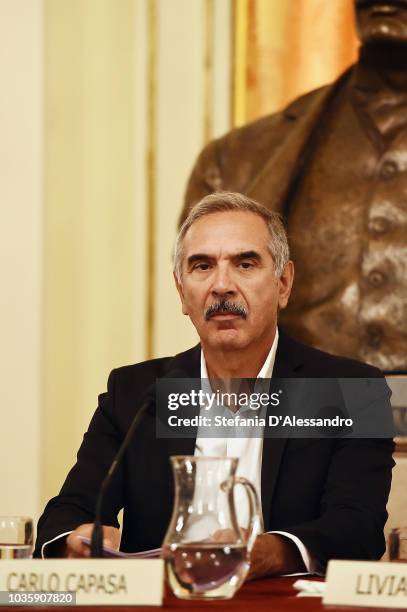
<point>111,553</point>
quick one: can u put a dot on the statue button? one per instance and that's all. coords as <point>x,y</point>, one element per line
<point>374,336</point>
<point>376,278</point>
<point>388,170</point>
<point>379,225</point>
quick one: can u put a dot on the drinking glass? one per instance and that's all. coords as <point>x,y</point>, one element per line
<point>16,537</point>
<point>206,553</point>
<point>397,545</point>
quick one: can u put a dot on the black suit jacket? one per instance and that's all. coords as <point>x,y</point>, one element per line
<point>331,493</point>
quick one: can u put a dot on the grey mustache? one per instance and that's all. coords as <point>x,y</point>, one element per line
<point>224,306</point>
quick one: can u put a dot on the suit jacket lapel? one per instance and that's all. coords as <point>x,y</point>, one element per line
<point>287,365</point>
<point>272,183</point>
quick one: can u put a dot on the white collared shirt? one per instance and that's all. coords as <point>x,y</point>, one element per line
<point>250,452</point>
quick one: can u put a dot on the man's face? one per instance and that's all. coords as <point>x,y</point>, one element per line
<point>382,20</point>
<point>228,286</point>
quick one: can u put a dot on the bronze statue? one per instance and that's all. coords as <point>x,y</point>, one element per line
<point>334,163</point>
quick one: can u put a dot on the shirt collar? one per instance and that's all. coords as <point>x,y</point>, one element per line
<point>266,369</point>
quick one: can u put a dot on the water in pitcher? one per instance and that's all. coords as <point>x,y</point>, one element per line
<point>205,570</point>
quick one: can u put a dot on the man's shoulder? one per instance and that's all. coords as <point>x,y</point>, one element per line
<point>314,362</point>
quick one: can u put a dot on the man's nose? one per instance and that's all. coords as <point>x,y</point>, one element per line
<point>223,284</point>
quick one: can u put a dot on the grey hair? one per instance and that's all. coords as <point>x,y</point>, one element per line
<point>222,201</point>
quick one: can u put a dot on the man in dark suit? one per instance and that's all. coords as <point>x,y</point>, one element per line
<point>334,163</point>
<point>321,498</point>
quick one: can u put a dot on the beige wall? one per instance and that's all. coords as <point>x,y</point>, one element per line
<point>128,101</point>
<point>21,167</point>
<point>94,239</point>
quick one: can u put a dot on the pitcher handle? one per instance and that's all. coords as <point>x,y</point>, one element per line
<point>254,523</point>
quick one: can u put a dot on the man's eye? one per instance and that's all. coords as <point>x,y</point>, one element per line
<point>246,265</point>
<point>202,267</point>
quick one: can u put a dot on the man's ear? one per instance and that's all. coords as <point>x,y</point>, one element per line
<point>178,285</point>
<point>285,284</point>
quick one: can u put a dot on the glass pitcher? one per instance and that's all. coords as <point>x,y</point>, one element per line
<point>206,553</point>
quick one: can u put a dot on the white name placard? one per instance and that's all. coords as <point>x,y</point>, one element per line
<point>94,581</point>
<point>366,583</point>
